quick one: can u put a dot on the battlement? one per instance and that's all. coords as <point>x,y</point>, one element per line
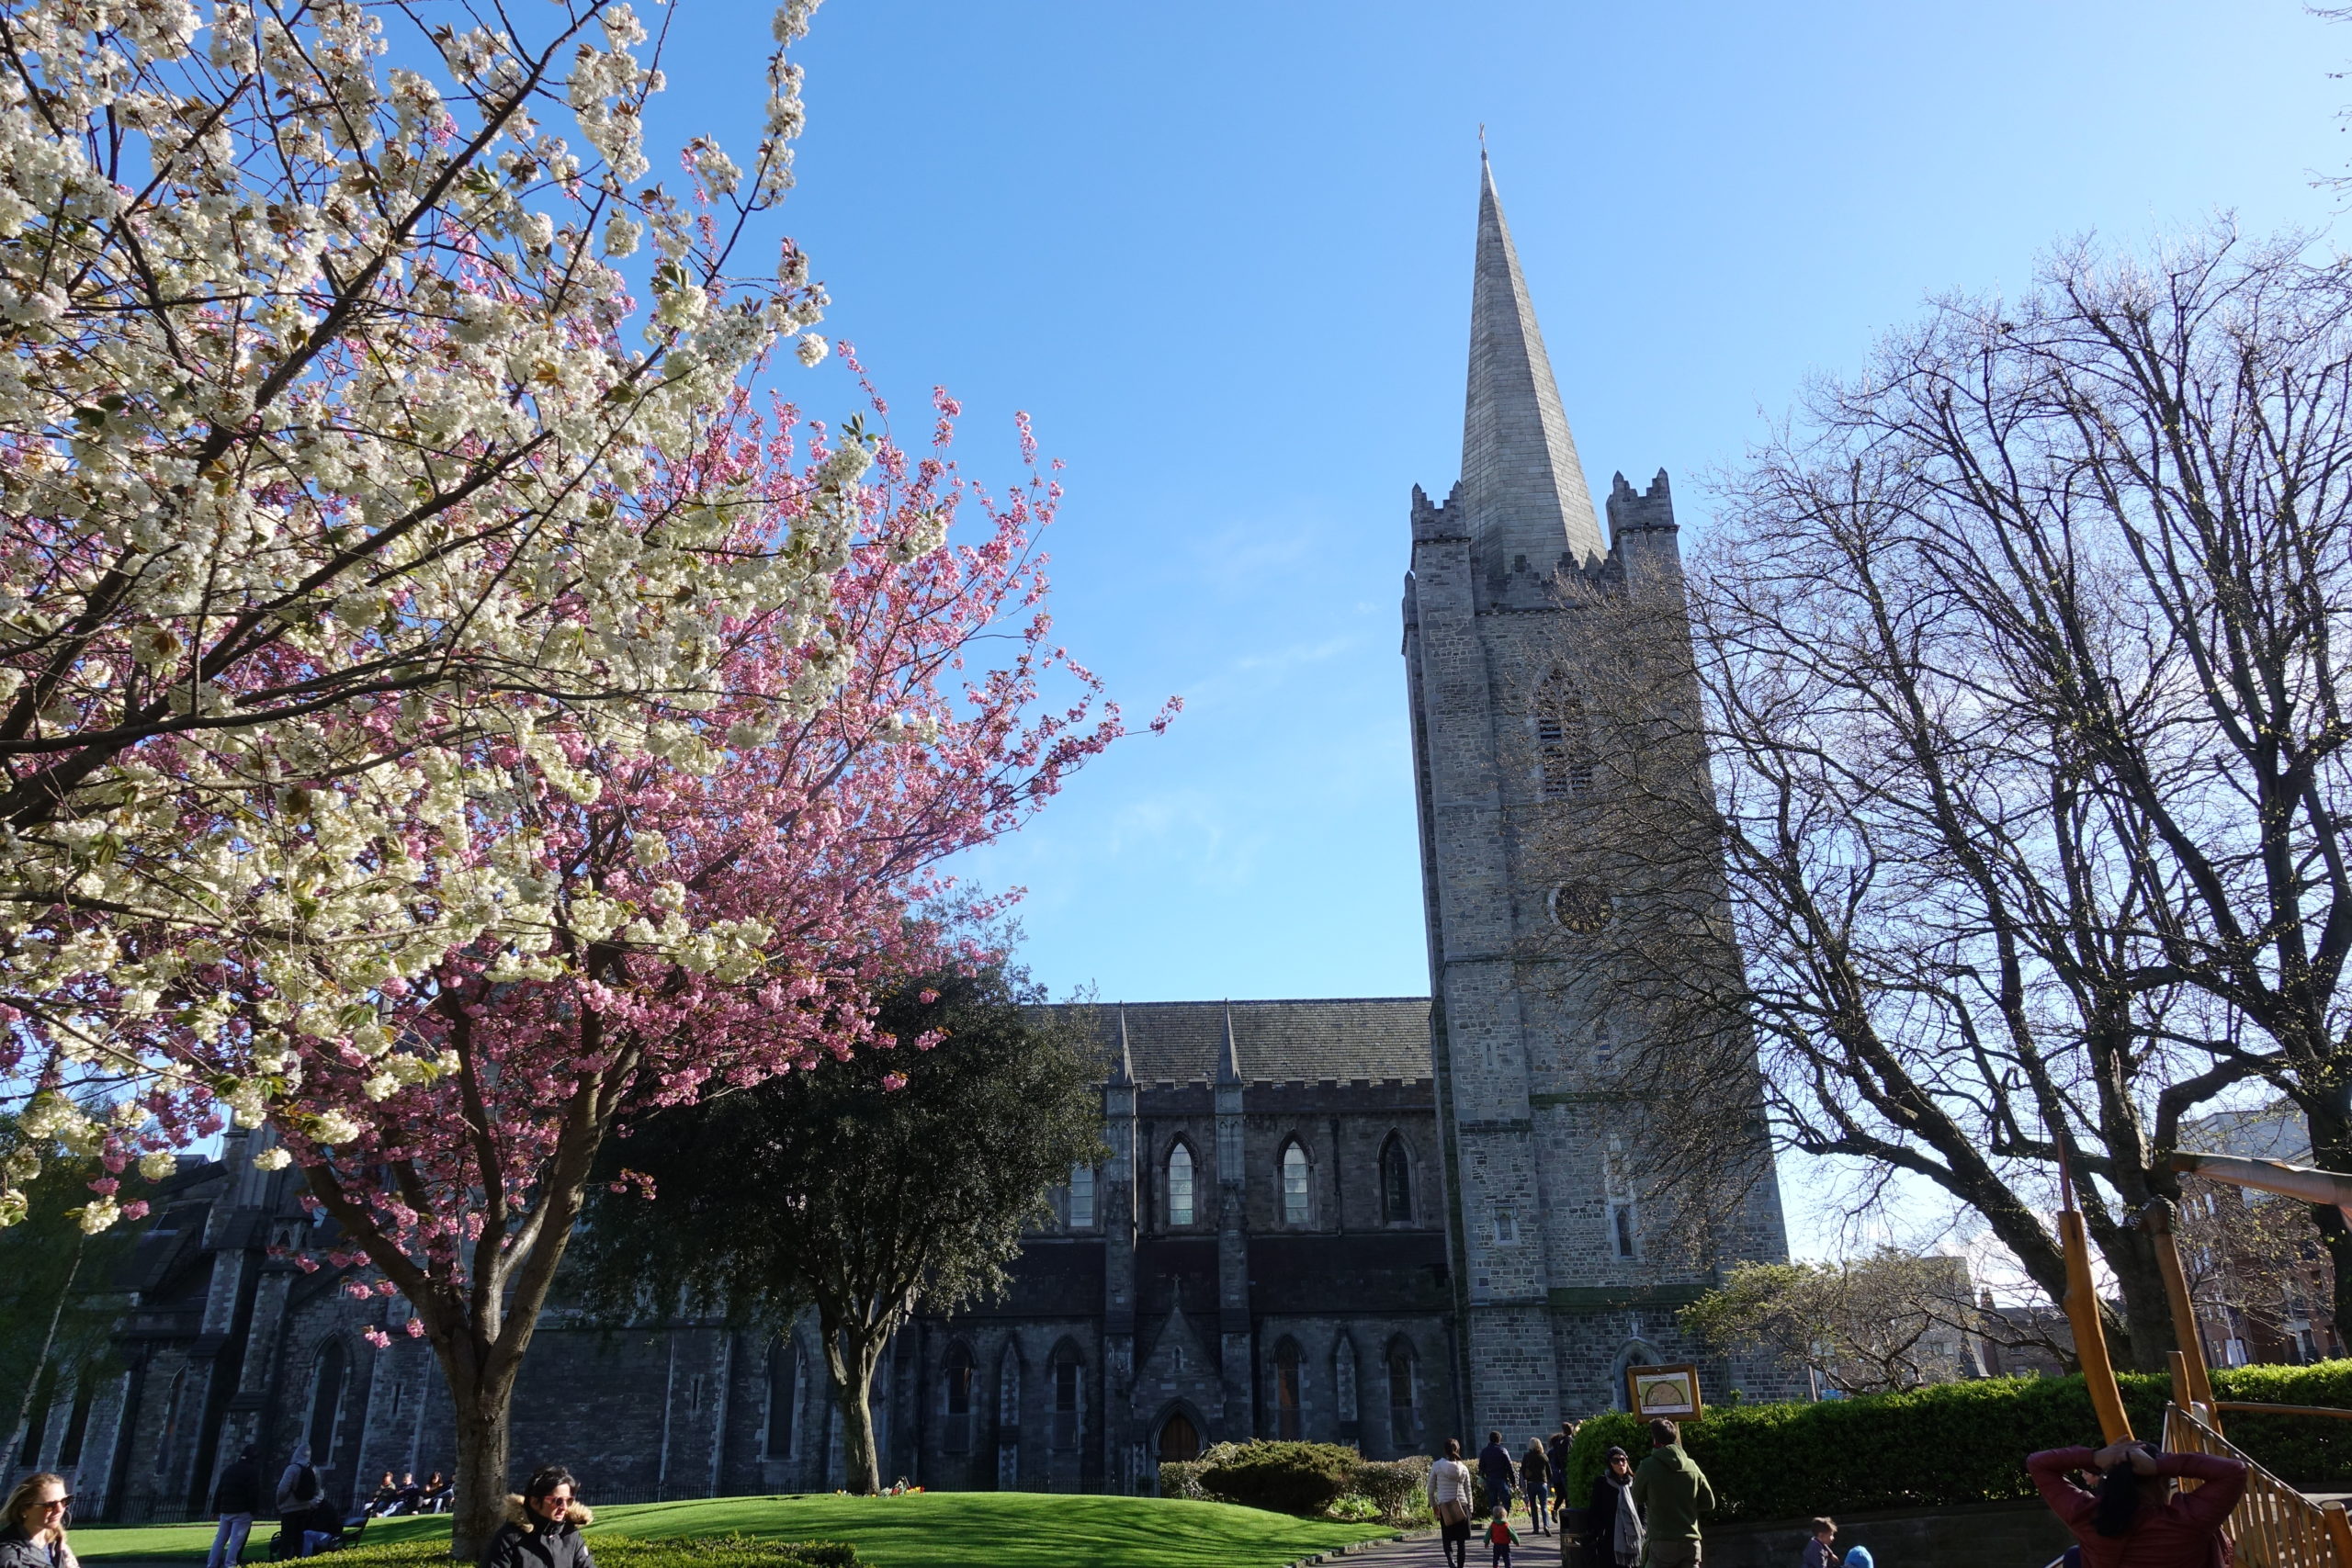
<point>1439,519</point>
<point>1652,510</point>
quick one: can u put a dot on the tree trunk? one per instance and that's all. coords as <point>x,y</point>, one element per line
<point>483,1433</point>
<point>40,1362</point>
<point>2330,1130</point>
<point>2148,1310</point>
<point>849,1359</point>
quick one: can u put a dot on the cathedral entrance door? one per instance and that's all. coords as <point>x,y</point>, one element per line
<point>1178,1442</point>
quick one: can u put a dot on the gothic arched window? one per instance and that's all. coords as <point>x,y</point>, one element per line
<point>1396,1183</point>
<point>173,1412</point>
<point>326,1401</point>
<point>1563,739</point>
<point>1294,1183</point>
<point>1402,1426</point>
<point>784,1394</point>
<point>1008,1418</point>
<point>1623,1217</point>
<point>1069,1386</point>
<point>1180,1185</point>
<point>1287,1422</point>
<point>1081,1197</point>
<point>956,1432</point>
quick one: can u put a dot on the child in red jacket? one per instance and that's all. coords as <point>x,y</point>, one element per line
<point>1500,1538</point>
<point>2137,1518</point>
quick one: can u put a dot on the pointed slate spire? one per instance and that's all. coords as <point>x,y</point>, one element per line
<point>1228,1066</point>
<point>1524,490</point>
<point>1125,1072</point>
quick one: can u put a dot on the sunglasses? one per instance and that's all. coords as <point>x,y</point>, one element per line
<point>64,1502</point>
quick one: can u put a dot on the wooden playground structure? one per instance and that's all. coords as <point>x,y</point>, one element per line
<point>2273,1525</point>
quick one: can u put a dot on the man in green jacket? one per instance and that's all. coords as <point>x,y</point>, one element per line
<point>1671,1494</point>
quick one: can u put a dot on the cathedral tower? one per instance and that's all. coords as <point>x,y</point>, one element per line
<point>1559,1284</point>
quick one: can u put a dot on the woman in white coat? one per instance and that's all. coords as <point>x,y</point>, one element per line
<point>1450,1496</point>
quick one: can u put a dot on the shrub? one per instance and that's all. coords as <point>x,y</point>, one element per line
<point>1961,1442</point>
<point>1288,1478</point>
<point>1398,1488</point>
<point>622,1551</point>
<point>1181,1478</point>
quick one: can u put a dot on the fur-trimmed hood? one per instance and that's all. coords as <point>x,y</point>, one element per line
<point>580,1518</point>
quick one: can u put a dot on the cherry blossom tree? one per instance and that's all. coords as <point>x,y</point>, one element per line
<point>337,432</point>
<point>722,907</point>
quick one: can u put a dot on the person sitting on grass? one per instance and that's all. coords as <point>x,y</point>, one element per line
<point>2135,1518</point>
<point>1821,1550</point>
<point>543,1525</point>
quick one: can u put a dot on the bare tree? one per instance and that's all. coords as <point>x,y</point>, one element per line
<point>2014,664</point>
<point>2136,490</point>
<point>1880,1323</point>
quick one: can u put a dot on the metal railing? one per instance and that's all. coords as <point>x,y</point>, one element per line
<point>2274,1525</point>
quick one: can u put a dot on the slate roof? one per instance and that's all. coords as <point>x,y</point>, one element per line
<point>1279,1042</point>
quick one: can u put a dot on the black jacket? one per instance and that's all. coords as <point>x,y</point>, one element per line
<point>239,1491</point>
<point>1600,1528</point>
<point>526,1541</point>
<point>19,1550</point>
<point>1494,1464</point>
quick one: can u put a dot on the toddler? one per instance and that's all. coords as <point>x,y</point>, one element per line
<point>1500,1538</point>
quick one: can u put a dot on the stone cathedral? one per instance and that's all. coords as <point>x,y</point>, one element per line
<point>1383,1221</point>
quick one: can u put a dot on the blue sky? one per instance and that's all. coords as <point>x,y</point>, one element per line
<point>1221,254</point>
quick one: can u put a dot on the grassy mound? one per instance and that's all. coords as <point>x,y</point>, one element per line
<point>933,1530</point>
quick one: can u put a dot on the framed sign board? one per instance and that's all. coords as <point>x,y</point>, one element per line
<point>1670,1392</point>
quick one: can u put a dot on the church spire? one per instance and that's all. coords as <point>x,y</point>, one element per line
<point>1521,487</point>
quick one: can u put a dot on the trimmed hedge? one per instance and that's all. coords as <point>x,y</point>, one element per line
<point>1399,1488</point>
<point>1286,1478</point>
<point>623,1551</point>
<point>1962,1442</point>
<point>1279,1476</point>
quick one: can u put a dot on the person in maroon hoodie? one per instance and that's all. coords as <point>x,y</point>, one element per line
<point>2137,1518</point>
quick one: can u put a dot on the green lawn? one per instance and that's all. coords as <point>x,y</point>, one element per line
<point>935,1529</point>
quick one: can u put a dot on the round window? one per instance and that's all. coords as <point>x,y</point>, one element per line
<point>1580,906</point>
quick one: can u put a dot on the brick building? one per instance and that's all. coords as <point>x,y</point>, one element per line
<point>1381,1221</point>
<point>2263,1287</point>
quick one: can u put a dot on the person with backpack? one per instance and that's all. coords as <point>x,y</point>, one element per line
<point>305,1519</point>
<point>2137,1518</point>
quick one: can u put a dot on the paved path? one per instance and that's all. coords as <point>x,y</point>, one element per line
<point>1423,1551</point>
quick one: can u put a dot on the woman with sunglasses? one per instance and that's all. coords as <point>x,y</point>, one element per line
<point>35,1536</point>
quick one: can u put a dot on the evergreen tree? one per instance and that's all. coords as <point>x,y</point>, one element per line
<point>860,1187</point>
